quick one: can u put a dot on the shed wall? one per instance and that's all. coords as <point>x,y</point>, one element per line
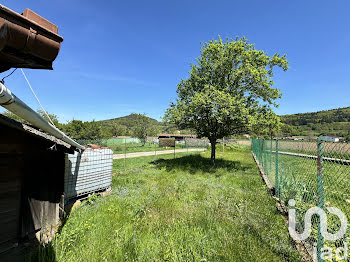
<point>31,187</point>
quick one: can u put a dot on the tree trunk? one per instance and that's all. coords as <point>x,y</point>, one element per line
<point>213,147</point>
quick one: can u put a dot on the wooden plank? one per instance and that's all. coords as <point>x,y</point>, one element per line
<point>40,20</point>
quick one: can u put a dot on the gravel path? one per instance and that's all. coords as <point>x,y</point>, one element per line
<point>152,153</point>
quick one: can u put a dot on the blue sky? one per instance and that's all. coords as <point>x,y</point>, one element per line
<point>120,57</point>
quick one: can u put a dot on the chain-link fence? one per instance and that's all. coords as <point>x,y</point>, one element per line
<point>130,153</point>
<point>314,174</point>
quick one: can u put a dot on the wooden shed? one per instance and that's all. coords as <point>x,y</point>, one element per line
<point>40,176</point>
<point>178,137</point>
<point>31,183</point>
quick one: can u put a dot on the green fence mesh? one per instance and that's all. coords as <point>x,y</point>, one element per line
<point>313,173</point>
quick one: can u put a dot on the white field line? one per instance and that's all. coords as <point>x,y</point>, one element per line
<point>153,153</point>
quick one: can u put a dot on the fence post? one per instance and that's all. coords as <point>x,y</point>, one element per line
<point>264,152</point>
<point>270,157</point>
<point>277,183</point>
<point>320,193</point>
<point>124,154</point>
<point>261,152</point>
<point>155,151</point>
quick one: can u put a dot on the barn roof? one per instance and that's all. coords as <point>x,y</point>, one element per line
<point>176,135</point>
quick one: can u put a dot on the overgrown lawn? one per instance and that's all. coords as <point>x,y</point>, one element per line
<point>179,209</point>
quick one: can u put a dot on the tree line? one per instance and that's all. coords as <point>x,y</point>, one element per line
<point>335,122</point>
<point>135,125</point>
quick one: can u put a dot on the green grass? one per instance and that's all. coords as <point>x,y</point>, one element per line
<point>179,209</point>
<point>137,162</point>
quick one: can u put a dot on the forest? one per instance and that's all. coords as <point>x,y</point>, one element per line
<point>334,122</point>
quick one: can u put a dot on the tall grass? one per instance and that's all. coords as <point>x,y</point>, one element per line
<point>179,210</point>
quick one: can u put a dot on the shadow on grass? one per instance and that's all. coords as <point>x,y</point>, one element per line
<point>29,251</point>
<point>42,253</point>
<point>198,163</point>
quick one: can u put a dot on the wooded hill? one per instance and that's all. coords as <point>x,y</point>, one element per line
<point>334,122</point>
<point>129,121</point>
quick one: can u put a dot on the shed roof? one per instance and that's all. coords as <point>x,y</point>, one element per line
<point>177,135</point>
<point>60,145</point>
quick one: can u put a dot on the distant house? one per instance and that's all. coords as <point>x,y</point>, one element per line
<point>329,138</point>
<point>292,138</point>
<point>178,137</point>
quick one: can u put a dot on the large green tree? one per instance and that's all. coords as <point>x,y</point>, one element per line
<point>142,127</point>
<point>229,89</point>
<point>113,129</point>
<point>92,130</point>
<point>118,130</point>
<point>266,124</point>
<point>74,129</point>
<point>78,129</point>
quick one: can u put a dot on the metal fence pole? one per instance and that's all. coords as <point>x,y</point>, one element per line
<point>260,145</point>
<point>264,152</point>
<point>270,157</point>
<point>223,145</point>
<point>320,193</point>
<point>124,153</point>
<point>277,184</point>
<point>155,151</point>
<point>258,149</point>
